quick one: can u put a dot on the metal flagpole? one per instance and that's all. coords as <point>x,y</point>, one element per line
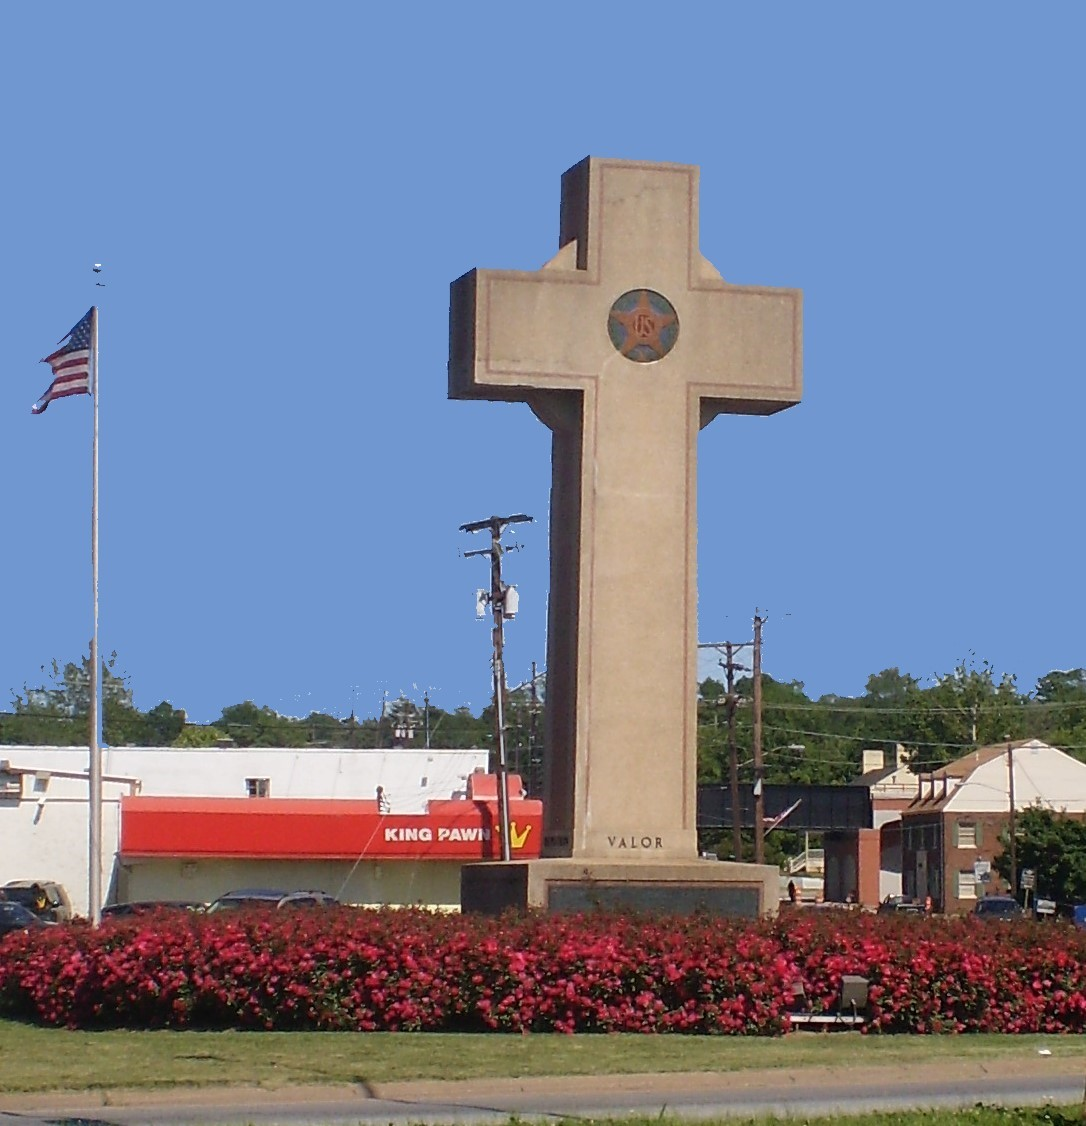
<point>94,797</point>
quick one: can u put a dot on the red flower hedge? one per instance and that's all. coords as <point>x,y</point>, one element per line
<point>411,970</point>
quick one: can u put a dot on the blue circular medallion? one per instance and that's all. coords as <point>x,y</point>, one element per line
<point>643,325</point>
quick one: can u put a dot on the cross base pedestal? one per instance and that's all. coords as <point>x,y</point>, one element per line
<point>682,887</point>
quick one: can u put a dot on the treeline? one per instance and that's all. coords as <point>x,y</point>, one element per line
<point>56,714</point>
<point>822,740</point>
<point>804,740</point>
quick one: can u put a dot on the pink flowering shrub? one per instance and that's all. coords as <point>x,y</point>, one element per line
<point>412,970</point>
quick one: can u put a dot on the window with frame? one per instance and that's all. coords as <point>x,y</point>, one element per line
<point>967,885</point>
<point>258,787</point>
<point>966,832</point>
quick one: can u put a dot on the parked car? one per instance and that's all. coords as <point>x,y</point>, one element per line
<point>15,917</point>
<point>893,904</point>
<point>48,900</point>
<point>998,907</point>
<point>271,899</point>
<point>148,907</point>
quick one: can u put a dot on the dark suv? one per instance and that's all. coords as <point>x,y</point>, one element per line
<point>48,900</point>
<point>998,907</point>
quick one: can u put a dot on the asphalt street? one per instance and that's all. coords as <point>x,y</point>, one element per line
<point>1034,1081</point>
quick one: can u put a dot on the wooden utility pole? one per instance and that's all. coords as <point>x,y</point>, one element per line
<point>759,770</point>
<point>497,599</point>
<point>533,733</point>
<point>731,702</point>
<point>1012,828</point>
<point>730,668</point>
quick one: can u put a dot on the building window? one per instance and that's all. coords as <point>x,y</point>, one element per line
<point>258,787</point>
<point>967,834</point>
<point>967,885</point>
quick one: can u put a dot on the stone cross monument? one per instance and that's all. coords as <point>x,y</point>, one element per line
<point>625,345</point>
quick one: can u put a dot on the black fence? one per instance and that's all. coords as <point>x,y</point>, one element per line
<point>820,807</point>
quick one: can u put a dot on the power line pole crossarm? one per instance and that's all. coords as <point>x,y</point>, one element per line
<point>501,609</point>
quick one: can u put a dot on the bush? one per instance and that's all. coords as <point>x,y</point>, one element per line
<point>413,970</point>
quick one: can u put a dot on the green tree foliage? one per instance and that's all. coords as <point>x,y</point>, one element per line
<point>57,713</point>
<point>1054,846</point>
<point>713,756</point>
<point>251,726</point>
<point>197,735</point>
<point>968,707</point>
<point>804,740</point>
<point>1062,698</point>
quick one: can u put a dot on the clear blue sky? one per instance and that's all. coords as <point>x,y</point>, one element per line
<point>281,194</point>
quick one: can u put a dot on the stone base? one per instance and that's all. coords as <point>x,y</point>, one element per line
<point>678,887</point>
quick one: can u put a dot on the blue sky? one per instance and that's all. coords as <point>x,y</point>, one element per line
<point>281,194</point>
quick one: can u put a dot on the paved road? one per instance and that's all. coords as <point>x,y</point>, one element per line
<point>1027,1082</point>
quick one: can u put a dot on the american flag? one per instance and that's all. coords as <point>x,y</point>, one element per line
<point>70,364</point>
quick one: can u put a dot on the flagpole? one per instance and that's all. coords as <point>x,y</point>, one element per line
<point>95,767</point>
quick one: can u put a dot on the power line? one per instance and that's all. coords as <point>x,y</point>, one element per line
<point>858,707</point>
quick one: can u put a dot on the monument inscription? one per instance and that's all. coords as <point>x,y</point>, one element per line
<point>625,344</point>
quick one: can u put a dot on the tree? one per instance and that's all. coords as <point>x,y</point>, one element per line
<point>891,688</point>
<point>57,713</point>
<point>198,735</point>
<point>1059,709</point>
<point>713,756</point>
<point>252,726</point>
<point>1054,846</point>
<point>966,708</point>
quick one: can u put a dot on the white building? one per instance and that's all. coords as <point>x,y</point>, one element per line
<point>44,823</point>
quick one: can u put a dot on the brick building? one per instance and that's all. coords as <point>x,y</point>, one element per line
<point>951,830</point>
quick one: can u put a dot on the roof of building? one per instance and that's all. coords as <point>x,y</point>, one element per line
<point>979,782</point>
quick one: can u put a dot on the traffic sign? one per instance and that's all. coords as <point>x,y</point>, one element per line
<point>1029,876</point>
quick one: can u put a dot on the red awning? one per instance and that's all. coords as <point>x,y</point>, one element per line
<point>323,829</point>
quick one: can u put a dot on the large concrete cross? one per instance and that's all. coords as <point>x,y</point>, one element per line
<point>625,345</point>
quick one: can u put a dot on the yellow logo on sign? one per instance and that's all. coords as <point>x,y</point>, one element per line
<point>517,839</point>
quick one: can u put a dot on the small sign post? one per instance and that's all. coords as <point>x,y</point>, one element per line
<point>1026,883</point>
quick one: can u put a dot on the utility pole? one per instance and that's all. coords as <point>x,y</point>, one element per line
<point>533,714</point>
<point>759,770</point>
<point>731,703</point>
<point>730,669</point>
<point>501,609</point>
<point>1012,828</point>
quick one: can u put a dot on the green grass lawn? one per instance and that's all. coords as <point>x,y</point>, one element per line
<point>40,1059</point>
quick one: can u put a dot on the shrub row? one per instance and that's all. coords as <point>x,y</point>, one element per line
<point>412,970</point>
